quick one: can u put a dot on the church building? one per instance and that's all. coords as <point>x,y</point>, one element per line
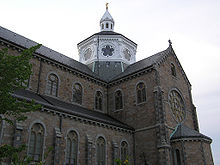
<point>107,105</point>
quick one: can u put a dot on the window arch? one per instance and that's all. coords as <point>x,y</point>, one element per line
<point>100,151</point>
<point>118,100</point>
<point>124,150</point>
<point>36,142</point>
<point>141,92</point>
<point>71,148</point>
<point>52,84</point>
<point>106,25</point>
<point>173,69</point>
<point>177,157</point>
<point>77,93</point>
<point>98,100</point>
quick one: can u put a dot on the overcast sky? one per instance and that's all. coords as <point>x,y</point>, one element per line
<point>192,25</point>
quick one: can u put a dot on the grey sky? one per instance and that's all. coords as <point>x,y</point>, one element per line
<point>192,25</point>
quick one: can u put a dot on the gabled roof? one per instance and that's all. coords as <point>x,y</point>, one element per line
<point>142,64</point>
<point>72,109</point>
<point>48,53</point>
<point>183,132</point>
<point>19,40</point>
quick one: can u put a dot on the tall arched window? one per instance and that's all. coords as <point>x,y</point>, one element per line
<point>173,70</point>
<point>98,100</point>
<point>106,25</point>
<point>36,142</point>
<point>71,148</point>
<point>77,93</point>
<point>100,151</point>
<point>52,85</point>
<point>118,100</point>
<point>124,150</point>
<point>178,159</point>
<point>141,93</point>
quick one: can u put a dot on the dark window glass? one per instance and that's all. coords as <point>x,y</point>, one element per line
<point>124,151</point>
<point>173,70</point>
<point>111,26</point>
<point>100,151</point>
<point>52,85</point>
<point>106,25</point>
<point>98,100</point>
<point>178,160</point>
<point>71,148</point>
<point>77,93</point>
<point>36,142</point>
<point>118,100</point>
<point>141,93</point>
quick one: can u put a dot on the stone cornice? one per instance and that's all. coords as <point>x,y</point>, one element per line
<point>85,120</point>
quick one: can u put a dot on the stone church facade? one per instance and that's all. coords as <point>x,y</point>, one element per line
<point>107,105</point>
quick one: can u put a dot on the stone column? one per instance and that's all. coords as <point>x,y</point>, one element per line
<point>17,134</point>
<point>57,145</point>
<point>162,134</point>
<point>90,150</point>
<point>115,154</point>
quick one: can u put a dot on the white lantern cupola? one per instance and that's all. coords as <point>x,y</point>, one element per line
<point>107,22</point>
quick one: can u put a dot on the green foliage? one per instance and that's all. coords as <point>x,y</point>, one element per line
<point>14,73</point>
<point>120,162</point>
<point>15,70</point>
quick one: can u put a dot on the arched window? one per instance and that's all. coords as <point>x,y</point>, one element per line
<point>52,85</point>
<point>124,150</point>
<point>100,151</point>
<point>177,157</point>
<point>102,26</point>
<point>111,26</point>
<point>118,100</point>
<point>36,142</point>
<point>77,93</point>
<point>71,148</point>
<point>173,70</point>
<point>141,93</point>
<point>98,100</point>
<point>106,25</point>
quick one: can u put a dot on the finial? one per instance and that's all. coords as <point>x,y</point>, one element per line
<point>170,43</point>
<point>106,6</point>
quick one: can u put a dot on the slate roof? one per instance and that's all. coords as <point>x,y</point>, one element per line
<point>106,33</point>
<point>143,64</point>
<point>19,40</point>
<point>108,69</point>
<point>183,131</point>
<point>111,75</point>
<point>69,108</point>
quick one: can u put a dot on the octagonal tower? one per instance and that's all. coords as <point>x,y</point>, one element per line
<point>107,53</point>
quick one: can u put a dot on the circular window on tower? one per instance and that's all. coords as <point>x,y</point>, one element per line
<point>127,54</point>
<point>177,105</point>
<point>107,50</point>
<point>87,54</point>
